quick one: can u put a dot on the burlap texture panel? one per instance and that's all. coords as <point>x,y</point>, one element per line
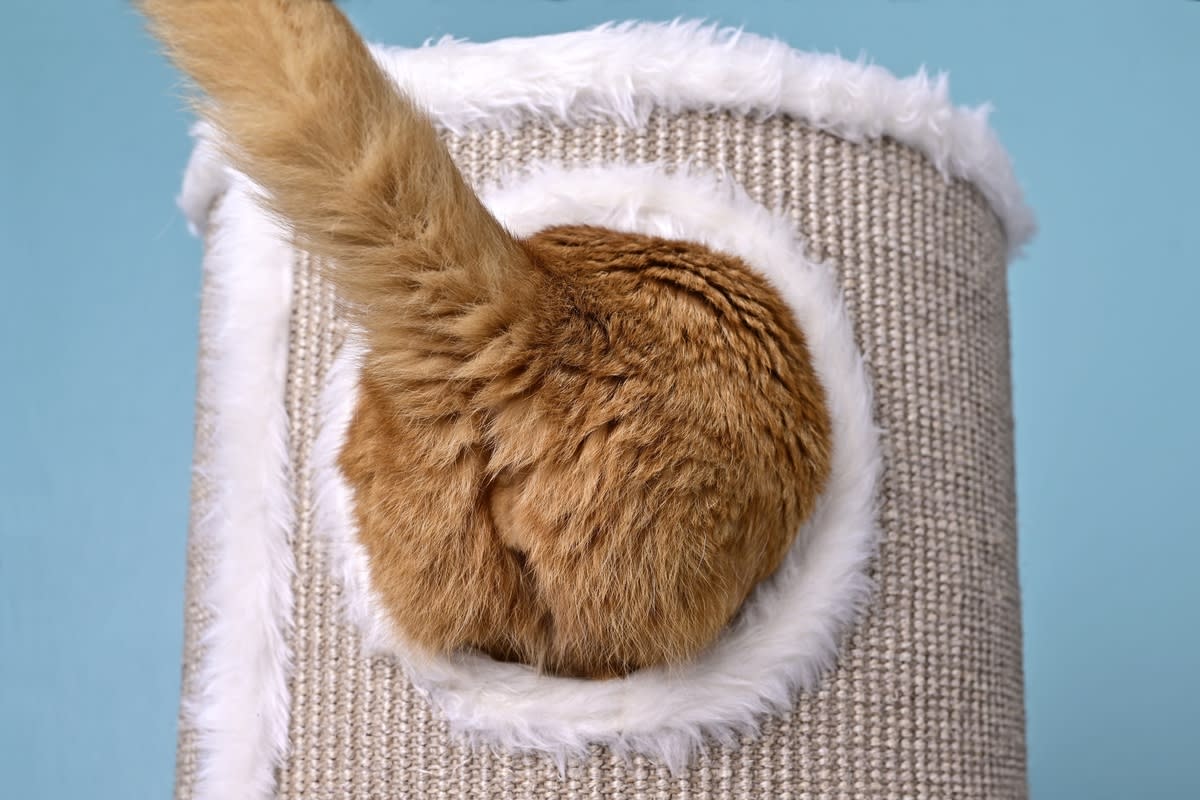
<point>927,700</point>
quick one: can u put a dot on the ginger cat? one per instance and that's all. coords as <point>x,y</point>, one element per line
<point>580,450</point>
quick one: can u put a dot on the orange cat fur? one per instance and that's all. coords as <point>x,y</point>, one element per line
<point>580,450</point>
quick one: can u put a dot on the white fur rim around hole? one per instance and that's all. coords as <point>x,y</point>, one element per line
<point>788,633</point>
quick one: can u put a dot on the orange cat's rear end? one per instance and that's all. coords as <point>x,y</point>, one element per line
<point>580,450</point>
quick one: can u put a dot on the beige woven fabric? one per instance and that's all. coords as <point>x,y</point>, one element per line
<point>199,563</point>
<point>928,698</point>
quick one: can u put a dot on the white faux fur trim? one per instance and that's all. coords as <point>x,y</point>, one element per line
<point>789,630</point>
<point>240,712</point>
<point>622,72</point>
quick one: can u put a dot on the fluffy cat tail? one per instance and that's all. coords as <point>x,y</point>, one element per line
<point>351,165</point>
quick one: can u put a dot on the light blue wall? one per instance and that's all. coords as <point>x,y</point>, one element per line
<point>1099,103</point>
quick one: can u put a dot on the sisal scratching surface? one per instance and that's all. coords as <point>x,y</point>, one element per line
<point>197,616</point>
<point>927,700</point>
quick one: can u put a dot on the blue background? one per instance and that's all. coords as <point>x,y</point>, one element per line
<point>1099,103</point>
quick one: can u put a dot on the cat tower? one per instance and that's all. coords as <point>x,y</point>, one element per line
<point>884,660</point>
